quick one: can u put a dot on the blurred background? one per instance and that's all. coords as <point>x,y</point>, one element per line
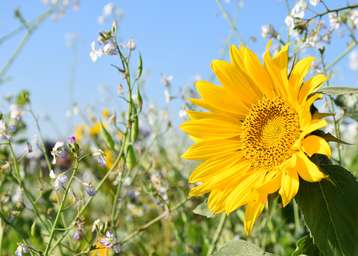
<point>177,39</point>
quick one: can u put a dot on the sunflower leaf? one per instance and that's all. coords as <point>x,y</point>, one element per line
<point>329,137</point>
<point>338,90</point>
<point>330,211</point>
<point>305,246</point>
<point>203,210</point>
<point>240,248</point>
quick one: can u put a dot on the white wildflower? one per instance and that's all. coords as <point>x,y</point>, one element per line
<point>314,2</point>
<point>97,225</point>
<point>98,154</point>
<point>182,113</point>
<point>57,151</point>
<point>167,96</point>
<point>95,53</point>
<point>101,19</point>
<point>298,11</point>
<point>354,18</point>
<point>110,48</point>
<point>15,112</point>
<point>268,31</point>
<point>131,45</point>
<point>166,80</point>
<point>353,60</point>
<point>3,131</point>
<point>109,240</point>
<point>108,9</point>
<point>290,22</point>
<point>21,250</point>
<point>334,20</point>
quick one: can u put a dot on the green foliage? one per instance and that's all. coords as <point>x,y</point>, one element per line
<point>305,246</point>
<point>330,211</point>
<point>240,248</point>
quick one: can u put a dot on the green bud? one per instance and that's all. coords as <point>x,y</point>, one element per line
<point>131,160</point>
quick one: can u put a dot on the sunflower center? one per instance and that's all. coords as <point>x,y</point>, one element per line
<point>268,133</point>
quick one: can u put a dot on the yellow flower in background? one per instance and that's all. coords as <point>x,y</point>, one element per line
<point>108,158</point>
<point>100,250</point>
<point>256,137</point>
<point>95,129</point>
<point>79,132</point>
<point>106,113</point>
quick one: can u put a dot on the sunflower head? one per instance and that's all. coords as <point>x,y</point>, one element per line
<point>255,137</point>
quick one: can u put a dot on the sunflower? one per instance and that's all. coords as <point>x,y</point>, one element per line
<point>256,136</point>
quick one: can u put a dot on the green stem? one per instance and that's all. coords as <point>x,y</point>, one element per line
<point>24,40</point>
<point>153,221</point>
<point>217,234</point>
<point>42,143</point>
<point>53,229</point>
<point>21,183</point>
<point>342,55</point>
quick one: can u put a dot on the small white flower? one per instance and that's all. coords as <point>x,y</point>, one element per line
<point>290,22</point>
<point>353,60</point>
<point>167,96</point>
<point>98,154</point>
<point>95,53</point>
<point>298,11</point>
<point>314,2</point>
<point>182,114</point>
<point>268,31</point>
<point>110,48</point>
<point>166,80</point>
<point>108,9</point>
<point>101,20</point>
<point>334,20</point>
<point>60,181</point>
<point>21,250</point>
<point>354,18</point>
<point>108,240</point>
<point>131,45</point>
<point>97,225</point>
<point>57,151</point>
<point>15,112</point>
<point>3,131</point>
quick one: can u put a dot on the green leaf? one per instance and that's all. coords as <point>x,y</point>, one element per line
<point>107,137</point>
<point>240,248</point>
<point>305,246</point>
<point>329,137</point>
<point>338,90</point>
<point>203,210</point>
<point>330,210</point>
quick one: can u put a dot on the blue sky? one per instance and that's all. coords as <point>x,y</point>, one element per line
<point>180,38</point>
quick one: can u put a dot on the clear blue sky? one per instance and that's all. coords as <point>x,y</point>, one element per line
<point>175,37</point>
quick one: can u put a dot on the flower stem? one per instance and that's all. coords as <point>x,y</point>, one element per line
<point>53,229</point>
<point>217,234</point>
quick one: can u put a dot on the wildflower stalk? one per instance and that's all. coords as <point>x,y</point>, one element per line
<point>350,47</point>
<point>230,20</point>
<point>332,110</point>
<point>320,15</point>
<point>42,143</point>
<point>30,29</point>
<point>21,183</point>
<point>153,221</point>
<point>54,224</point>
<point>217,234</point>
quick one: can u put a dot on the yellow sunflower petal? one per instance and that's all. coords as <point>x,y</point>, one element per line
<point>310,86</point>
<point>210,148</point>
<point>299,72</point>
<point>219,98</point>
<point>314,125</point>
<point>212,115</point>
<point>314,144</point>
<point>211,128</point>
<point>243,193</point>
<point>214,165</point>
<point>289,185</point>
<point>253,210</point>
<point>232,78</point>
<point>307,169</point>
